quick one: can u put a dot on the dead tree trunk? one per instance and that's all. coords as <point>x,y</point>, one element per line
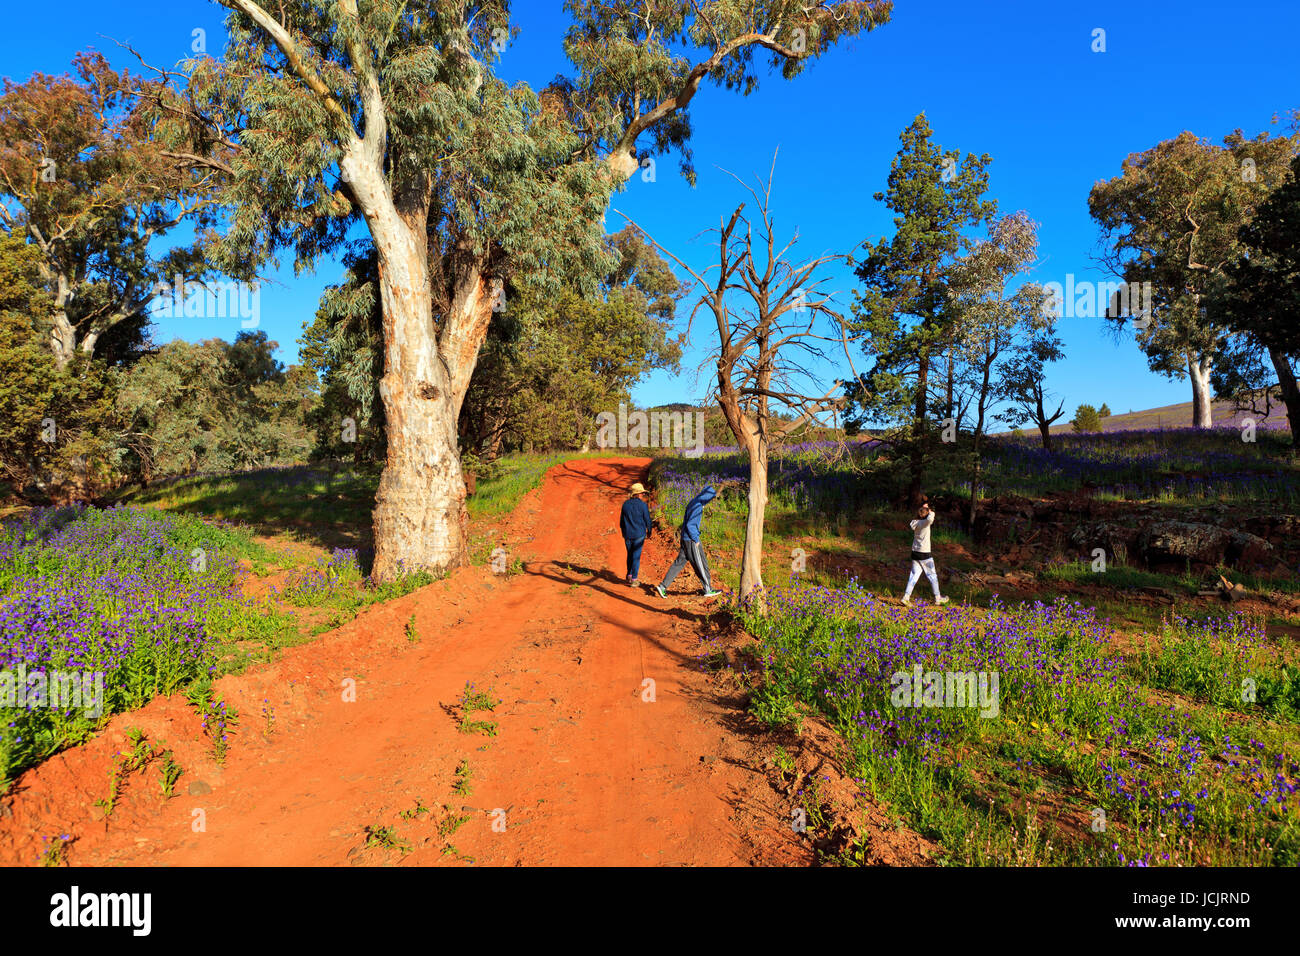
<point>917,452</point>
<point>751,563</point>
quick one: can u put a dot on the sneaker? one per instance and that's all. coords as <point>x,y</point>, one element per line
<point>907,602</point>
<point>631,582</point>
<point>712,593</point>
<point>660,589</point>
<point>941,600</point>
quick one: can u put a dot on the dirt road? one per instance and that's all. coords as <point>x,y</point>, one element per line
<point>582,766</point>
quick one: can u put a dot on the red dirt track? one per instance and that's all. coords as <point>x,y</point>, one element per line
<point>586,772</point>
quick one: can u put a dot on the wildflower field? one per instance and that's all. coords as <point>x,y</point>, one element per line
<point>1124,733</point>
<point>150,603</point>
<point>1175,466</point>
<point>1092,757</point>
<point>141,596</point>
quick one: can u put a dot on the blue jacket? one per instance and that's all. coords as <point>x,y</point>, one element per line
<point>635,519</point>
<point>695,511</point>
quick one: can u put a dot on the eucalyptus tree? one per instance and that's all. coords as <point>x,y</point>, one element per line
<point>1260,298</point>
<point>390,112</point>
<point>992,319</point>
<point>1172,219</point>
<point>82,182</point>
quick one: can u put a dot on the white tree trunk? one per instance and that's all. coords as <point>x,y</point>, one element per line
<point>751,563</point>
<point>420,516</point>
<point>1199,371</point>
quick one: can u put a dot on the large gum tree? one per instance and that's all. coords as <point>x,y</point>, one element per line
<point>389,111</point>
<point>1172,218</point>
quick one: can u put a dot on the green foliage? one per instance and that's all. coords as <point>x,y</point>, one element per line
<point>214,406</point>
<point>905,308</point>
<point>1086,419</point>
<point>473,700</point>
<point>39,400</point>
<point>1259,300</point>
<point>548,365</point>
<point>463,786</point>
<point>1104,411</point>
<point>91,189</point>
<point>386,838</point>
<point>1172,218</point>
<point>171,772</point>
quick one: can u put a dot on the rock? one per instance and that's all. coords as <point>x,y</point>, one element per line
<point>1177,543</point>
<point>1116,540</point>
<point>198,788</point>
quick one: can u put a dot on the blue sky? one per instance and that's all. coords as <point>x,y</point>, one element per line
<point>1017,80</point>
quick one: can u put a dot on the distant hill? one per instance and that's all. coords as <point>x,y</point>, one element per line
<point>1175,416</point>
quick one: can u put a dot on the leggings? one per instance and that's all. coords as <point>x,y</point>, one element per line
<point>917,567</point>
<point>690,551</point>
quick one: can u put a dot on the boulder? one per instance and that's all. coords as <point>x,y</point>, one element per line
<point>1178,543</point>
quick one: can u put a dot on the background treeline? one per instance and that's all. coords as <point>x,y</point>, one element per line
<point>97,216</point>
<point>144,412</point>
<point>544,372</point>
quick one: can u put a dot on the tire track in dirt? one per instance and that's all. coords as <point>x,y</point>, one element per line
<point>586,771</point>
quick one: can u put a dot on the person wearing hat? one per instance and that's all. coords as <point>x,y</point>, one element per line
<point>634,522</point>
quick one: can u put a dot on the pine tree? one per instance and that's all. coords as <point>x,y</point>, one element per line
<point>904,306</point>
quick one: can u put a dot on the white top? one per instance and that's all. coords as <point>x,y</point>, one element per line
<point>921,532</point>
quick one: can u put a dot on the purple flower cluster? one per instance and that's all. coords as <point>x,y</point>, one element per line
<point>1164,770</point>
<point>852,644</point>
<point>110,591</point>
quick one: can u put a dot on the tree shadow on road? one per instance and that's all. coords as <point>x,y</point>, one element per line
<point>628,472</point>
<point>620,591</point>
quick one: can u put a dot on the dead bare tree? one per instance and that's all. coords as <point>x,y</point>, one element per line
<point>772,316</point>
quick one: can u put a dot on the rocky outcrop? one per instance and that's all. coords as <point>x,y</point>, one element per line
<point>1177,543</point>
<point>1142,536</point>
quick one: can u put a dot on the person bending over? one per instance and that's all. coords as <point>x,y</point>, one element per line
<point>690,548</point>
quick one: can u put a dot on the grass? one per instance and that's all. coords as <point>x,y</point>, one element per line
<point>387,838</point>
<point>472,701</point>
<point>1209,780</point>
<point>331,504</point>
